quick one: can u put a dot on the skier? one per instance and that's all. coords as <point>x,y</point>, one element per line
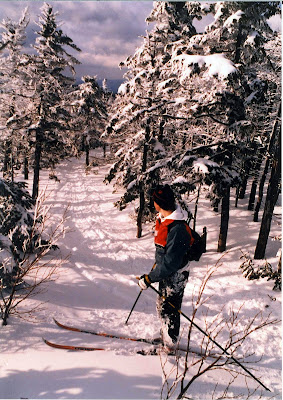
<point>172,240</point>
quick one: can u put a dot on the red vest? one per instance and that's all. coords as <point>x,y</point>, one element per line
<point>161,232</point>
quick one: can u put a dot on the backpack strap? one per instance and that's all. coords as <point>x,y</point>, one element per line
<point>188,229</point>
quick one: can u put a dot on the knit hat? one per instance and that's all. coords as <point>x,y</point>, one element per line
<point>164,197</point>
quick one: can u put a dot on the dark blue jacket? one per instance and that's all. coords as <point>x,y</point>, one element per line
<point>170,258</point>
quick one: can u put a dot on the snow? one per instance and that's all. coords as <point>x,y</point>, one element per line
<point>96,288</point>
<point>235,17</point>
<point>202,165</point>
<point>219,6</point>
<point>167,84</point>
<point>180,100</point>
<point>251,38</point>
<point>217,64</point>
<point>158,147</point>
<point>139,135</point>
<point>205,7</point>
<point>131,184</point>
<point>179,179</point>
<point>123,88</point>
<point>250,98</point>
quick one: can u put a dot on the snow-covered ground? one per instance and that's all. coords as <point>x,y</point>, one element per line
<point>96,289</point>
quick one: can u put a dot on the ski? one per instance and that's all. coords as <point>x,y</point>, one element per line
<point>143,352</point>
<point>158,352</point>
<point>108,335</point>
<point>154,342</point>
<point>69,347</point>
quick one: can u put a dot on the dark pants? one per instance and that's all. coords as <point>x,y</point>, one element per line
<point>173,289</point>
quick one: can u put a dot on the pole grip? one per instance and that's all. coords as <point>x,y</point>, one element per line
<point>132,309</point>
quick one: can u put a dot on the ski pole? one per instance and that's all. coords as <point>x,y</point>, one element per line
<point>133,307</point>
<point>212,340</point>
<point>137,299</point>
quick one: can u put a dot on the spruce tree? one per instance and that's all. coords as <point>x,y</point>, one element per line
<point>16,221</point>
<point>194,94</point>
<point>273,190</point>
<point>89,113</point>
<point>224,96</point>
<point>13,102</point>
<point>47,68</point>
<point>138,120</point>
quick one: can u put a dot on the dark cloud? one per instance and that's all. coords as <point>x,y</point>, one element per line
<point>106,31</point>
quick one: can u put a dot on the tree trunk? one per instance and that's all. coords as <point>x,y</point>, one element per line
<point>7,151</point>
<point>270,202</point>
<point>26,168</point>
<point>224,221</point>
<point>252,194</point>
<point>161,131</point>
<point>87,155</point>
<point>204,237</point>
<point>255,182</point>
<point>260,190</point>
<point>279,263</point>
<point>196,208</point>
<point>237,196</point>
<point>241,190</point>
<point>141,187</point>
<point>86,148</point>
<point>243,187</point>
<point>184,141</point>
<point>140,213</point>
<point>12,166</point>
<point>215,204</point>
<point>267,162</point>
<point>36,168</point>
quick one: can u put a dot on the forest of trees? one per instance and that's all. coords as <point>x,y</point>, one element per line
<point>198,110</point>
<point>201,109</point>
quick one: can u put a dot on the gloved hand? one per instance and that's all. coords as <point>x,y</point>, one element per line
<point>144,282</point>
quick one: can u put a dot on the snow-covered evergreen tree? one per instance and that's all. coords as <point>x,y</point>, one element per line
<point>46,122</point>
<point>220,76</point>
<point>89,113</point>
<point>12,83</point>
<point>161,89</point>
<point>248,28</point>
<point>138,121</point>
<point>16,221</point>
<point>195,88</point>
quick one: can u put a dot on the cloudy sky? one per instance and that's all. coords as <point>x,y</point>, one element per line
<point>107,32</point>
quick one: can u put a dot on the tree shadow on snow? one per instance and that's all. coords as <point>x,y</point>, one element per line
<point>77,383</point>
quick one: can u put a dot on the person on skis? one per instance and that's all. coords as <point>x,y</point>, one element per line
<point>172,240</point>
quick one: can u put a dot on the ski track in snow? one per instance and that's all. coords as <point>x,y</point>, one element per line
<point>91,232</point>
<point>96,289</point>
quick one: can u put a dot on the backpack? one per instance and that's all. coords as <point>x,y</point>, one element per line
<point>198,247</point>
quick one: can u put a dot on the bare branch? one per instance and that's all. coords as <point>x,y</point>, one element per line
<point>232,329</point>
<point>32,272</point>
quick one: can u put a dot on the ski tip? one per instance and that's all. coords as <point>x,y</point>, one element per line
<point>57,323</point>
<point>150,352</point>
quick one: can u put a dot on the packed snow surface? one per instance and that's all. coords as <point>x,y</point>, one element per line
<point>96,288</point>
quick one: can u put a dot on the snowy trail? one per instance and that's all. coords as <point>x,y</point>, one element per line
<point>96,288</point>
<point>100,239</point>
